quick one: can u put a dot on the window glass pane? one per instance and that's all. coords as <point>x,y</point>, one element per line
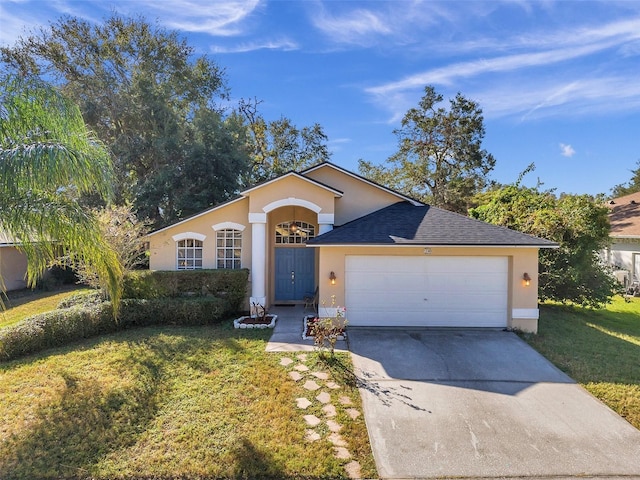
<point>229,247</point>
<point>189,253</point>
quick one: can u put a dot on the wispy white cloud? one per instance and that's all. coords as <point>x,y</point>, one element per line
<point>537,98</point>
<point>337,144</point>
<point>378,23</point>
<point>284,44</point>
<point>449,74</point>
<point>567,150</point>
<point>525,84</point>
<point>222,18</point>
<point>354,28</point>
<point>216,18</point>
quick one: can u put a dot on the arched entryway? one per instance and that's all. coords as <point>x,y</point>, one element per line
<point>284,270</point>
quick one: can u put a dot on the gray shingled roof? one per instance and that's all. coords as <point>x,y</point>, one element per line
<point>406,224</point>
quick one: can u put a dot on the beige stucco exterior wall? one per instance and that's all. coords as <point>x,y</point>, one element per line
<point>359,198</point>
<point>291,187</point>
<point>523,300</point>
<point>162,247</point>
<point>13,268</point>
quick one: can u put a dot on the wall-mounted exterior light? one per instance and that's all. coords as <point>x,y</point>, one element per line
<point>527,279</point>
<point>332,277</point>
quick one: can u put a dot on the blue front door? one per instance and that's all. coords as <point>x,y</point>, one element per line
<point>295,273</point>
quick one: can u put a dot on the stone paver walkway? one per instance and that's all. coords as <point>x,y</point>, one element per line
<point>322,393</point>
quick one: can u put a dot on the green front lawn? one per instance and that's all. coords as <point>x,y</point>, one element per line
<point>23,304</point>
<point>200,402</point>
<point>600,349</point>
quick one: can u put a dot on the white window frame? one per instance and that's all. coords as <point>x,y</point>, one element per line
<point>294,238</point>
<point>190,259</point>
<point>232,253</point>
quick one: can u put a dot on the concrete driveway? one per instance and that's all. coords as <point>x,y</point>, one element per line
<point>466,403</point>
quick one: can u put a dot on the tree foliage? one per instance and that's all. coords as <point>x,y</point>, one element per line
<point>630,187</point>
<point>440,158</point>
<point>151,101</point>
<point>278,146</point>
<point>124,232</point>
<point>578,223</point>
<point>47,159</point>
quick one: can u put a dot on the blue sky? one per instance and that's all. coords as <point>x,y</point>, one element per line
<point>559,82</point>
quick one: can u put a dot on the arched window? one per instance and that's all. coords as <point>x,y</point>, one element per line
<point>294,232</point>
<point>189,254</point>
<point>229,248</point>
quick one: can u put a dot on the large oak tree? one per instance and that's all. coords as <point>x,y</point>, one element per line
<point>151,101</point>
<point>440,158</point>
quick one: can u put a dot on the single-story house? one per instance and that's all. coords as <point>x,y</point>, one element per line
<point>389,259</point>
<point>13,264</point>
<point>624,252</point>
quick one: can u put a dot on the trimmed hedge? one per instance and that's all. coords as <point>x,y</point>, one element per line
<point>194,297</point>
<point>228,284</point>
<point>62,326</point>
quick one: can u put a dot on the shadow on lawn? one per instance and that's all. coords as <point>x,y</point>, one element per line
<point>82,426</point>
<point>573,338</point>
<point>249,459</point>
<point>90,418</point>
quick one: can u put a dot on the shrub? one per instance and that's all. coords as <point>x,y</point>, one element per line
<point>173,311</point>
<point>54,329</point>
<point>93,297</point>
<point>228,284</point>
<point>143,284</point>
<point>65,325</point>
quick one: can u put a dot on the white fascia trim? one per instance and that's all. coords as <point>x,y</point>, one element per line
<point>195,216</point>
<point>326,218</point>
<point>228,226</point>
<point>291,201</point>
<point>415,203</point>
<point>257,218</point>
<point>618,237</point>
<point>525,313</point>
<point>186,235</point>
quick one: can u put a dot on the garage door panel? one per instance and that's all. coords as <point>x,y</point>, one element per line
<point>427,291</point>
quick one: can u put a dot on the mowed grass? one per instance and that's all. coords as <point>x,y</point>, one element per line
<point>600,349</point>
<point>25,304</point>
<point>200,402</point>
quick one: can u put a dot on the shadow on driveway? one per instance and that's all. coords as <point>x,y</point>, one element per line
<point>481,404</point>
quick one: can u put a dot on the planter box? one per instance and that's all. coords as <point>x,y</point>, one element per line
<point>254,322</point>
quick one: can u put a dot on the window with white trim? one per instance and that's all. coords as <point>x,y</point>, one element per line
<point>294,232</point>
<point>189,254</point>
<point>228,248</point>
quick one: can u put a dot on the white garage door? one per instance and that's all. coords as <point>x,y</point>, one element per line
<point>426,291</point>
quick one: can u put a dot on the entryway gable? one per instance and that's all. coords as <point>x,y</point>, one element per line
<point>292,189</point>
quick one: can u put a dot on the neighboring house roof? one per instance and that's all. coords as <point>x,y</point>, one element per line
<point>406,224</point>
<point>625,216</point>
